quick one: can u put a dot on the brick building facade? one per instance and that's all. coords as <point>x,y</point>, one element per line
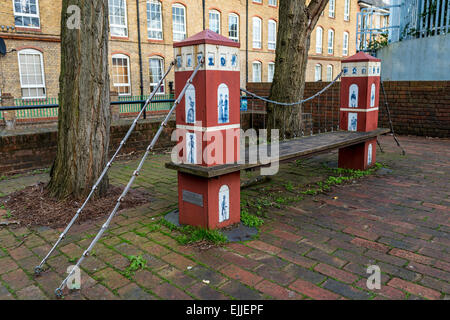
<point>32,28</point>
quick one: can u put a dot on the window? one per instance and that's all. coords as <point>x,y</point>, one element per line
<point>256,32</point>
<point>257,1</point>
<point>121,74</point>
<point>273,3</point>
<point>118,18</point>
<point>214,21</point>
<point>345,44</point>
<point>31,69</point>
<point>156,73</point>
<point>272,35</point>
<point>233,27</point>
<point>331,8</point>
<point>154,20</point>
<point>26,13</point>
<point>330,41</point>
<point>256,71</point>
<point>270,71</point>
<point>318,72</point>
<point>329,72</point>
<point>178,22</point>
<point>319,33</point>
<point>347,10</point>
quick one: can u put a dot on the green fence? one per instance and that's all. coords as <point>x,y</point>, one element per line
<point>134,108</point>
<point>36,113</point>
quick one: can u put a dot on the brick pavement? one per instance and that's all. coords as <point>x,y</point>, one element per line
<point>318,247</point>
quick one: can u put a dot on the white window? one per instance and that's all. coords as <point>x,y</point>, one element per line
<point>257,1</point>
<point>214,21</point>
<point>256,32</point>
<point>331,8</point>
<point>156,73</point>
<point>256,71</point>
<point>118,18</point>
<point>318,72</point>
<point>347,10</point>
<point>319,35</point>
<point>330,41</point>
<point>272,35</point>
<point>345,44</point>
<point>32,78</point>
<point>178,22</point>
<point>154,20</point>
<point>273,3</point>
<point>329,72</point>
<point>233,27</point>
<point>121,74</point>
<point>270,71</point>
<point>26,13</point>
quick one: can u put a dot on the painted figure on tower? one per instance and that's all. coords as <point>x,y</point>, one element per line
<point>223,104</point>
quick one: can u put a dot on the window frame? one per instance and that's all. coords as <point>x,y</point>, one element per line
<point>345,43</point>
<point>330,76</point>
<point>23,86</point>
<point>274,42</point>
<point>315,72</point>
<point>179,6</point>
<point>330,31</point>
<point>214,12</point>
<point>258,41</point>
<point>149,29</point>
<point>111,25</point>
<point>321,40</point>
<point>30,15</point>
<point>270,79</point>
<point>270,3</point>
<point>346,10</point>
<point>123,84</point>
<point>229,30</point>
<point>332,8</point>
<point>253,70</point>
<point>162,89</point>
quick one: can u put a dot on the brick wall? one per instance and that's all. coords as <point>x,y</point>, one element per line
<point>29,151</point>
<point>419,108</point>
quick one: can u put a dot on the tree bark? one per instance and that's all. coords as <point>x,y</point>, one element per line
<point>84,113</point>
<point>296,22</point>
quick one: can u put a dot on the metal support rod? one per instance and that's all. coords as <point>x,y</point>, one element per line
<point>38,269</point>
<point>105,226</point>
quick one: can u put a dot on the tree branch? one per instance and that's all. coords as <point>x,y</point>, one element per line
<point>315,8</point>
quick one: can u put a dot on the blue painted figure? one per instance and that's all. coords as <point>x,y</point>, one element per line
<point>199,57</point>
<point>353,100</point>
<point>353,124</point>
<point>345,70</point>
<point>225,110</point>
<point>223,61</point>
<point>234,60</point>
<point>211,60</point>
<point>221,109</point>
<point>189,61</point>
<point>223,209</point>
<point>191,111</point>
<point>191,149</point>
<point>179,61</point>
<point>354,70</point>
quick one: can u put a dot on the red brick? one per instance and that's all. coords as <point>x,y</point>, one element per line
<point>297,259</point>
<point>178,261</point>
<point>242,275</point>
<point>286,235</point>
<point>361,233</point>
<point>435,206</point>
<point>313,291</point>
<point>414,289</point>
<point>385,290</point>
<point>276,291</point>
<point>442,265</point>
<point>333,272</point>
<point>264,247</point>
<point>411,256</point>
<point>370,244</point>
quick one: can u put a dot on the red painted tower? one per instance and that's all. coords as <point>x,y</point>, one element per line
<point>208,129</point>
<point>360,87</point>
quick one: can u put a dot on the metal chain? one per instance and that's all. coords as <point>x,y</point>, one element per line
<point>105,226</point>
<point>290,104</point>
<point>38,269</point>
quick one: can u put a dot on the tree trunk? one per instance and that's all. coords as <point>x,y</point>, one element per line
<point>296,22</point>
<point>84,112</point>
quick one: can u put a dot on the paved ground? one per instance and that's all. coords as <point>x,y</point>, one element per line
<point>318,247</point>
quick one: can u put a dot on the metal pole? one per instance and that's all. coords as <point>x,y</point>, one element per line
<point>140,56</point>
<point>105,226</point>
<point>38,269</point>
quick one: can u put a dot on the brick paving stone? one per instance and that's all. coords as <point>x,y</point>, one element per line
<point>345,290</point>
<point>20,253</point>
<point>338,274</point>
<point>265,247</point>
<point>147,279</point>
<point>204,292</point>
<point>111,278</point>
<point>16,279</point>
<point>297,259</point>
<point>239,291</point>
<point>133,292</point>
<point>313,291</point>
<point>170,292</point>
<point>411,256</point>
<point>277,292</point>
<point>31,293</point>
<point>325,257</point>
<point>414,288</point>
<point>7,265</point>
<point>242,275</point>
<point>176,276</point>
<point>99,292</point>
<point>203,273</point>
<point>178,261</point>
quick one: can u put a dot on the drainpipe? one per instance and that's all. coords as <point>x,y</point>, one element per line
<point>140,54</point>
<point>204,10</point>
<point>246,42</point>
